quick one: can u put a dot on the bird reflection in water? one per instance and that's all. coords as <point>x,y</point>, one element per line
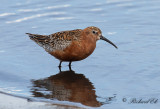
<point>67,86</point>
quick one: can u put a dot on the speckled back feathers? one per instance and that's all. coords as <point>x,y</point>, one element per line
<point>56,41</point>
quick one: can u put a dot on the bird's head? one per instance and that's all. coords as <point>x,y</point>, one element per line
<point>97,34</point>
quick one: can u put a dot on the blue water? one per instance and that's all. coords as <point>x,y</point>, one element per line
<point>107,76</point>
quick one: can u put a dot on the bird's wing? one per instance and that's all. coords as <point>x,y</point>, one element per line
<point>56,41</point>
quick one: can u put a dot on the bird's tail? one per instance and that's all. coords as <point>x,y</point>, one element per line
<point>36,36</point>
<point>39,39</point>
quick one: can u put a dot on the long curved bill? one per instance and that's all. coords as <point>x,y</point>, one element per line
<point>105,39</point>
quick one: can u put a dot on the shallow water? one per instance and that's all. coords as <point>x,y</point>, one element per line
<point>102,80</point>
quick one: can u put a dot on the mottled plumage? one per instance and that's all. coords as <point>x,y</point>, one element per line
<point>71,45</point>
<point>56,41</point>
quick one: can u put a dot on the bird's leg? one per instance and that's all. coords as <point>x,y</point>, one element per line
<point>60,64</point>
<point>70,65</point>
<point>60,69</point>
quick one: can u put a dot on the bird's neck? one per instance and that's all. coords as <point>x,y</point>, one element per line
<point>89,44</point>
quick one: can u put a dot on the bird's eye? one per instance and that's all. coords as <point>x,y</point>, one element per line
<point>94,32</point>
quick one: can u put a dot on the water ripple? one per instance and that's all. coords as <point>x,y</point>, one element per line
<point>6,14</point>
<point>44,8</point>
<point>96,9</point>
<point>63,18</point>
<point>35,16</point>
<point>2,51</point>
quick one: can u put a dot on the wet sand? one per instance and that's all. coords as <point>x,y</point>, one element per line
<point>8,101</point>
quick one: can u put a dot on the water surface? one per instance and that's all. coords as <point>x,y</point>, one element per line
<point>103,79</point>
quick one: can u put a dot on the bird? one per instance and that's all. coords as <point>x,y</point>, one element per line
<point>71,45</point>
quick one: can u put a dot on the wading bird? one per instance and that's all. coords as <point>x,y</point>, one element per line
<point>69,46</point>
